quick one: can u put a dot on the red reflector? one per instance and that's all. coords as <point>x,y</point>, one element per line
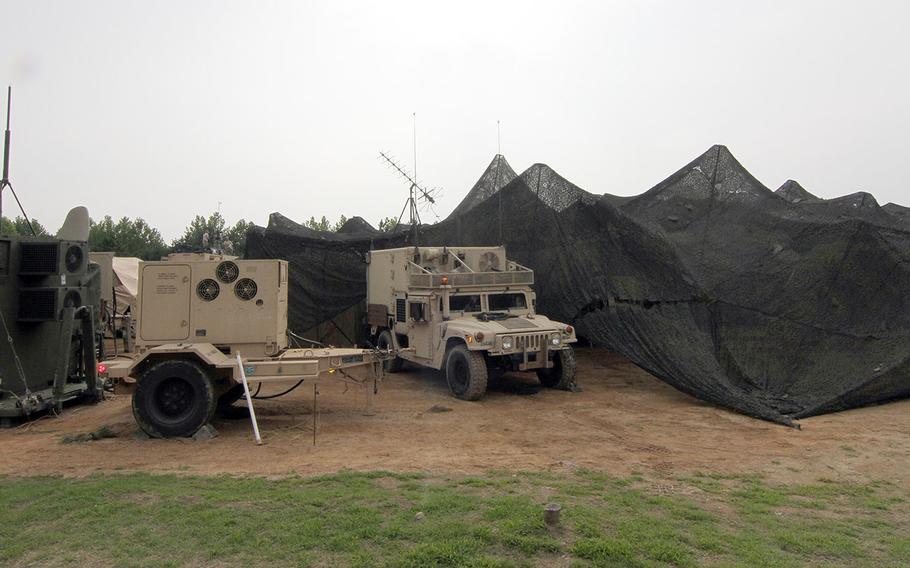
<point>102,368</point>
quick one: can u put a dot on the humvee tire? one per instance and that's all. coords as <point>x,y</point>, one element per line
<point>173,398</point>
<point>562,374</point>
<point>385,342</point>
<point>466,373</point>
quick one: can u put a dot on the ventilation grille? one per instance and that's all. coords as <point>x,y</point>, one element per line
<point>227,271</point>
<point>40,258</point>
<point>207,289</point>
<point>38,305</point>
<point>400,314</point>
<point>246,289</point>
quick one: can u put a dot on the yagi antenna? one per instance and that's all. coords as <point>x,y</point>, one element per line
<point>416,193</point>
<point>4,183</point>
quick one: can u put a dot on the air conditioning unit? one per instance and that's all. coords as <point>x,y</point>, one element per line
<point>52,257</point>
<point>227,302</point>
<point>486,259</point>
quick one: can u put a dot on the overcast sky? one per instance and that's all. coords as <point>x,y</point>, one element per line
<point>163,109</point>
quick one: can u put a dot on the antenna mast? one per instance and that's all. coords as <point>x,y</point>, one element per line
<point>4,183</point>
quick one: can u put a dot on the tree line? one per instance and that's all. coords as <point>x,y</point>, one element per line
<point>135,237</point>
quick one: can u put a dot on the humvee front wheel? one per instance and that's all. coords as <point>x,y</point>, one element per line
<point>466,373</point>
<point>385,342</point>
<point>562,374</point>
<point>173,398</point>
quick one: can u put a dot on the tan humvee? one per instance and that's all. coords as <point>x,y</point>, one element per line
<point>195,313</point>
<point>467,310</point>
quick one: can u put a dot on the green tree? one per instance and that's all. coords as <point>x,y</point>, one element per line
<point>388,224</point>
<point>320,225</point>
<point>237,236</point>
<point>339,223</point>
<point>192,239</point>
<point>127,237</point>
<point>324,224</point>
<point>19,226</point>
<point>215,226</point>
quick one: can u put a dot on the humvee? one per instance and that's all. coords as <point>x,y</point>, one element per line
<point>468,311</point>
<point>195,313</point>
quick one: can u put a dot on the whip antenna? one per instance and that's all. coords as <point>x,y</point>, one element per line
<point>5,182</point>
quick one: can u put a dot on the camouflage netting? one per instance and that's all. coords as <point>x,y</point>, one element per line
<point>780,305</point>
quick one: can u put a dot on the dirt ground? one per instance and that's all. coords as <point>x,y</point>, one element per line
<point>624,421</point>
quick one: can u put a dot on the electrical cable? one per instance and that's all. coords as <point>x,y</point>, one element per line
<point>300,382</point>
<point>301,338</point>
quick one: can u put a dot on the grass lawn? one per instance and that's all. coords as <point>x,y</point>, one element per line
<point>372,519</point>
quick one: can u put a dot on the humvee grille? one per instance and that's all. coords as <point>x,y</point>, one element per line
<point>531,342</point>
<point>400,314</point>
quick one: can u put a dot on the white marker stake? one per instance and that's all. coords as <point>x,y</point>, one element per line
<point>249,399</point>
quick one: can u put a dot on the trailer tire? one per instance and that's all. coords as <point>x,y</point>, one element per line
<point>466,373</point>
<point>562,374</point>
<point>174,398</point>
<point>384,341</point>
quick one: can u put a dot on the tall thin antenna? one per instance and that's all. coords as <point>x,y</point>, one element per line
<point>498,139</point>
<point>4,183</point>
<point>414,117</point>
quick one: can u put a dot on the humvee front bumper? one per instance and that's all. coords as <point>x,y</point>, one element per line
<point>530,351</point>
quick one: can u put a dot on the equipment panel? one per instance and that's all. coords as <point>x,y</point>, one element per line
<point>165,310</point>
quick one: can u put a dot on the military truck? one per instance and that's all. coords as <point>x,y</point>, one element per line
<point>468,311</point>
<point>195,313</point>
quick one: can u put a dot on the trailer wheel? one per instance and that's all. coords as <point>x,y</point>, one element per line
<point>562,374</point>
<point>173,398</point>
<point>466,373</point>
<point>385,342</point>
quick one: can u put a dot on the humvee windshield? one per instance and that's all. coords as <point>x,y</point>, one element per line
<point>507,301</point>
<point>465,303</point>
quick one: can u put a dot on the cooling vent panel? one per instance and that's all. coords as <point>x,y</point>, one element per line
<point>208,289</point>
<point>227,271</point>
<point>400,313</point>
<point>246,289</point>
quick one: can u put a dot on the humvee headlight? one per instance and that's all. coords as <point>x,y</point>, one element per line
<point>507,342</point>
<point>478,336</point>
<point>555,340</point>
<point>569,330</point>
